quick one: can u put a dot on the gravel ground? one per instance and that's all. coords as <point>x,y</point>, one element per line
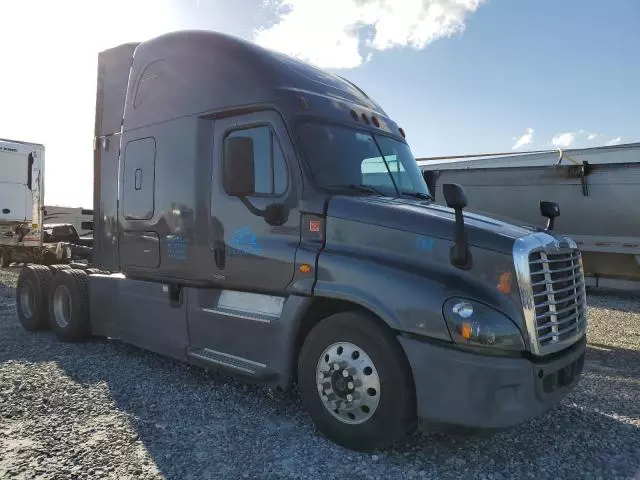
<point>9,276</point>
<point>102,409</point>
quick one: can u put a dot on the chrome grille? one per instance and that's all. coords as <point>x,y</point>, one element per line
<point>552,290</point>
<point>558,293</point>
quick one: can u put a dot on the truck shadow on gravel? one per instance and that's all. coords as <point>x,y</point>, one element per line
<point>195,424</point>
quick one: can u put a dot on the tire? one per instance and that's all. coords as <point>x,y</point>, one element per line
<point>58,268</point>
<point>32,297</point>
<point>390,404</point>
<point>5,258</point>
<point>69,306</point>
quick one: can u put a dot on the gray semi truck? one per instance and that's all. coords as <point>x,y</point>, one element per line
<point>256,215</point>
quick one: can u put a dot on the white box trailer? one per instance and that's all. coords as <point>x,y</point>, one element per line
<point>21,194</point>
<point>21,182</point>
<point>22,212</point>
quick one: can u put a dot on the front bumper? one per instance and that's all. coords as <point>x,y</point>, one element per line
<point>481,391</point>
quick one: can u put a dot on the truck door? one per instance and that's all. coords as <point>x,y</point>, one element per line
<point>249,252</point>
<point>238,324</point>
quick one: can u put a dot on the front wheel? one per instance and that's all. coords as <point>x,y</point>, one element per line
<point>356,383</point>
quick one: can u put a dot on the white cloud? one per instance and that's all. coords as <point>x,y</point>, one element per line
<point>525,139</point>
<point>563,140</point>
<point>579,138</point>
<point>331,33</point>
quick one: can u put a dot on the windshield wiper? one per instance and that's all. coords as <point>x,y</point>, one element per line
<point>419,195</point>
<point>360,187</point>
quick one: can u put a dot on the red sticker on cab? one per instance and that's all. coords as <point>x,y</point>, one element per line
<point>314,225</point>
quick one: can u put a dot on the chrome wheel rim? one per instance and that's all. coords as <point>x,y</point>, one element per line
<point>62,306</point>
<point>348,383</point>
<point>27,299</point>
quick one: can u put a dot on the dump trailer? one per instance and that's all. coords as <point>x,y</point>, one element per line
<point>598,188</point>
<point>258,216</point>
<point>25,235</point>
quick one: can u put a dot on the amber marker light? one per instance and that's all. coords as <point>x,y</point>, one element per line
<point>305,268</point>
<point>466,331</point>
<point>504,285</point>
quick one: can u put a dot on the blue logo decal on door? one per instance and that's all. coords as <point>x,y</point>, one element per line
<point>244,241</point>
<point>176,247</point>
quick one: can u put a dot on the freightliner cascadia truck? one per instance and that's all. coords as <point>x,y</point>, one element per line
<point>256,215</point>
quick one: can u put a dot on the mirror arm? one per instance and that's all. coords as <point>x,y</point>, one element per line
<point>550,223</point>
<point>460,254</point>
<point>263,213</point>
<point>456,198</point>
<point>251,207</point>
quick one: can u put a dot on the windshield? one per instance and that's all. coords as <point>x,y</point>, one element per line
<point>341,157</point>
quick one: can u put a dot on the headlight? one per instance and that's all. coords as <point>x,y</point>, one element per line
<point>475,324</point>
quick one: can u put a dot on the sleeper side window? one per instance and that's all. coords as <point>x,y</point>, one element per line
<point>270,168</point>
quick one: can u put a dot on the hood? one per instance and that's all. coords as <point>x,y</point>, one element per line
<point>427,218</point>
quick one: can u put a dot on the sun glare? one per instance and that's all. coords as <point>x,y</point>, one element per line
<point>51,50</point>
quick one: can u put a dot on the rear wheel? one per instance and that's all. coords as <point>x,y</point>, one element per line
<point>58,268</point>
<point>69,305</point>
<point>32,297</point>
<point>356,383</point>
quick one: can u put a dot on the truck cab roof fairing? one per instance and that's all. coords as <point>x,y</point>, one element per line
<point>190,73</point>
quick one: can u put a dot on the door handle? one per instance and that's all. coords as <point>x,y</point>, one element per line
<point>175,295</point>
<point>138,179</point>
<point>219,255</point>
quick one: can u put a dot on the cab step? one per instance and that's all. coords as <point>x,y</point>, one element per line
<point>226,361</point>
